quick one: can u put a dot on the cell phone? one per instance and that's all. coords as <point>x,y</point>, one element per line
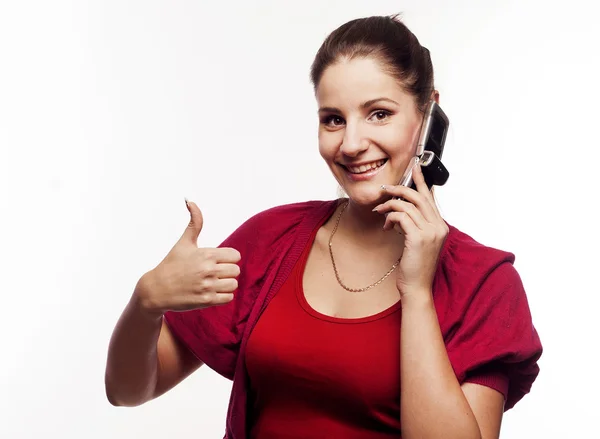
<point>430,148</point>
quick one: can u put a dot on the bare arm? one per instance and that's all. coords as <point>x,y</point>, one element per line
<point>433,404</point>
<point>144,359</point>
<point>488,407</point>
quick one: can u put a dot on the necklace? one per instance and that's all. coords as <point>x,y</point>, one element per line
<point>337,275</point>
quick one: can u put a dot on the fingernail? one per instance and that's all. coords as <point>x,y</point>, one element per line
<point>187,203</point>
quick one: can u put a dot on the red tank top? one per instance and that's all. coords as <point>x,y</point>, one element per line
<point>316,376</point>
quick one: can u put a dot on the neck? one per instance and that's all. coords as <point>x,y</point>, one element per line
<point>367,226</point>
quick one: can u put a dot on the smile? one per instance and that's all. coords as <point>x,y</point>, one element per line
<point>366,167</point>
<point>365,171</point>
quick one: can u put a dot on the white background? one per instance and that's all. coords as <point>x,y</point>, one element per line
<point>111,112</point>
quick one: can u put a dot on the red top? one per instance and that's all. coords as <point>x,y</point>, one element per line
<point>314,373</point>
<point>480,301</point>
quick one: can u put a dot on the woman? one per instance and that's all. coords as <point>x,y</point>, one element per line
<point>364,317</point>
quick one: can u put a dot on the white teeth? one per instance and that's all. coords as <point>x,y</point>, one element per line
<point>365,168</point>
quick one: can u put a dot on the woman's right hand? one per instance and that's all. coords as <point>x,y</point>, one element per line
<point>189,277</point>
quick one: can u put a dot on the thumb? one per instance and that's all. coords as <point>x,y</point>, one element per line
<point>195,225</point>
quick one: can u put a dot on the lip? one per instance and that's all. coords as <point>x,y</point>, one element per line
<point>365,176</point>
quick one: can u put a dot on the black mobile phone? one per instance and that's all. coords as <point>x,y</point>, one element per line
<point>430,149</point>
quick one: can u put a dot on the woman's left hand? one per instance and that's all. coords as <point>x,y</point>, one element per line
<point>424,230</point>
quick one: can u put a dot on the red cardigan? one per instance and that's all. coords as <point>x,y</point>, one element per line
<point>480,301</point>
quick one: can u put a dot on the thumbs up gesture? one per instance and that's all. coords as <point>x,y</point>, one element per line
<point>190,277</point>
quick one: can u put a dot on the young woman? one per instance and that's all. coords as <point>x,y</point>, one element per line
<point>363,317</point>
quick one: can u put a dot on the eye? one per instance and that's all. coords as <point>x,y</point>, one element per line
<point>380,115</point>
<point>332,120</point>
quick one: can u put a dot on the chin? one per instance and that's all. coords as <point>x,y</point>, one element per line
<point>367,192</point>
<point>367,196</point>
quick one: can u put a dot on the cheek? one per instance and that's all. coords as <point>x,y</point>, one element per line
<point>328,145</point>
<point>401,142</point>
<point>323,152</point>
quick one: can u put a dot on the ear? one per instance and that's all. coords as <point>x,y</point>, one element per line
<point>435,96</point>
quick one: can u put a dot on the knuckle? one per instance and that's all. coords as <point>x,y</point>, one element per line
<point>206,267</point>
<point>205,284</point>
<point>208,254</point>
<point>205,299</point>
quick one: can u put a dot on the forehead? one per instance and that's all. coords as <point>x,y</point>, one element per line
<point>358,80</point>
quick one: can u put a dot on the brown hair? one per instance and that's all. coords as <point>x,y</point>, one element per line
<point>388,40</point>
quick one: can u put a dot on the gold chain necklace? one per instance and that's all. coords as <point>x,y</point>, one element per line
<point>337,275</point>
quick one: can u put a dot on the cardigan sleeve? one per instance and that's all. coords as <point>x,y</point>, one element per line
<point>496,343</point>
<point>214,334</point>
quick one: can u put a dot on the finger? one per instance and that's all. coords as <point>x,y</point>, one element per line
<point>403,220</point>
<point>421,184</point>
<point>194,227</point>
<point>228,285</point>
<point>395,205</point>
<point>211,299</point>
<point>415,198</point>
<point>223,255</point>
<point>419,180</point>
<point>223,299</point>
<point>404,192</point>
<point>225,270</point>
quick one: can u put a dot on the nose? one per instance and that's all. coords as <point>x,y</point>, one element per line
<point>354,142</point>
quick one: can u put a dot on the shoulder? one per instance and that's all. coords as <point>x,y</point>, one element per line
<point>467,264</point>
<point>293,212</point>
<point>461,247</point>
<point>279,222</point>
<point>485,316</point>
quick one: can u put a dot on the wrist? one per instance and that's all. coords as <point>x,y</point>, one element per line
<point>142,300</point>
<point>417,299</point>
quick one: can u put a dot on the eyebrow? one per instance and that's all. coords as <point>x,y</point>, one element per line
<point>364,105</point>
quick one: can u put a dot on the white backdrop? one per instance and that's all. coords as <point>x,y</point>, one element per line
<point>111,112</point>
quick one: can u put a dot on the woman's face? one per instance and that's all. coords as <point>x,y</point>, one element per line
<point>368,127</point>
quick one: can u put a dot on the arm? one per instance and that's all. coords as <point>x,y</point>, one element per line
<point>144,359</point>
<point>433,404</point>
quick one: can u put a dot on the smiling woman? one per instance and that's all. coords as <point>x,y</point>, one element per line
<point>363,317</point>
